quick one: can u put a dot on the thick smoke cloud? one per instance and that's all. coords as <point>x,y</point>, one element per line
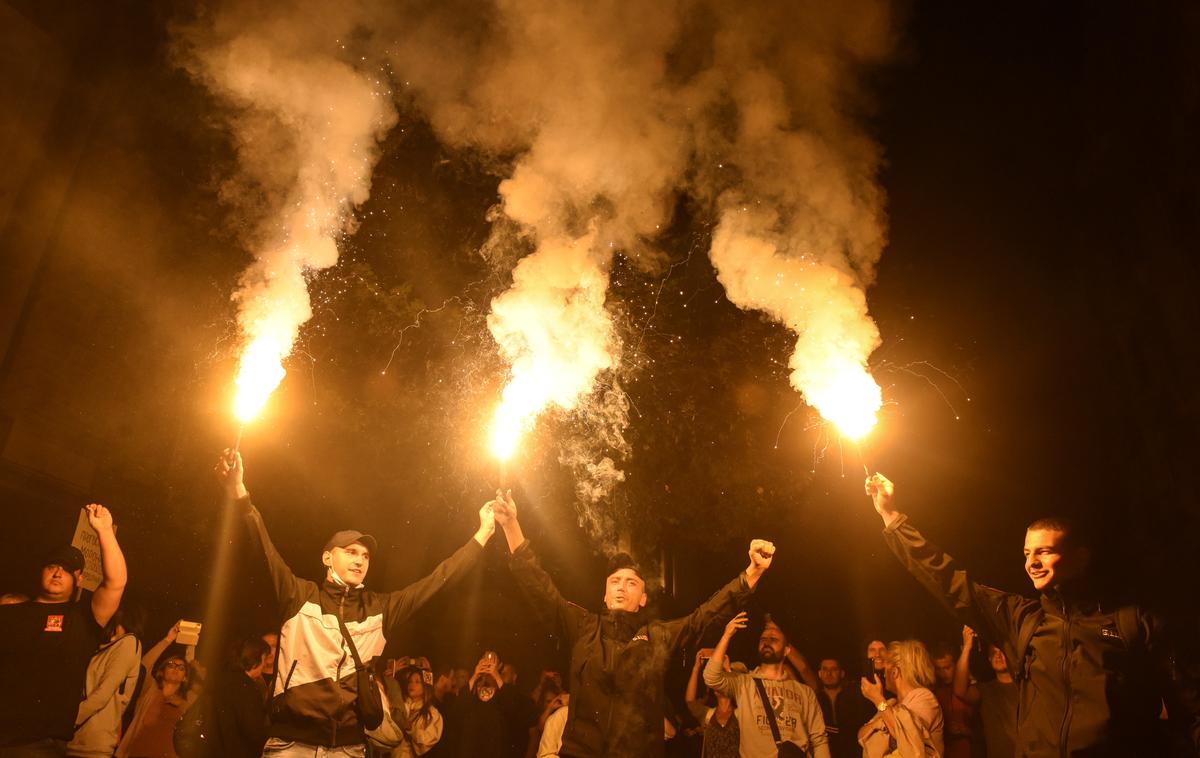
<point>306,117</point>
<point>610,110</point>
<point>597,116</point>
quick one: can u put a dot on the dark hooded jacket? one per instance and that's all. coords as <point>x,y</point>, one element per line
<point>1092,677</point>
<point>313,696</point>
<point>618,662</point>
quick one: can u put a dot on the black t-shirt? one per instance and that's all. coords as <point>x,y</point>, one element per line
<point>45,649</point>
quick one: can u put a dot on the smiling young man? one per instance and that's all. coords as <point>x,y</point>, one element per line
<point>312,704</point>
<point>1092,677</point>
<point>619,656</point>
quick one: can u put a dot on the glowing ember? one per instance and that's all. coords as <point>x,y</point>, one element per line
<point>260,372</point>
<point>850,399</point>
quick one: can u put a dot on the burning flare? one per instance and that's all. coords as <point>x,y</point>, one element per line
<point>553,329</point>
<point>260,372</point>
<point>822,304</point>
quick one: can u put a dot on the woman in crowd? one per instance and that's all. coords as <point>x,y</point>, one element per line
<point>170,688</point>
<point>418,718</point>
<point>112,677</point>
<point>718,721</point>
<point>909,725</point>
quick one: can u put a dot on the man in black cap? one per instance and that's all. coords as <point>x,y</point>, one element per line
<point>46,644</point>
<point>312,706</point>
<point>619,657</point>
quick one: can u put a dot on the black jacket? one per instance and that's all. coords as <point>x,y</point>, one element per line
<point>236,715</point>
<point>1092,678</point>
<point>844,718</point>
<point>618,661</point>
<point>315,688</point>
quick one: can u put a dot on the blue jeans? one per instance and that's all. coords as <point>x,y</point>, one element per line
<point>277,748</point>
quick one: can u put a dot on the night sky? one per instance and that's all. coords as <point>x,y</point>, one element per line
<point>1037,300</point>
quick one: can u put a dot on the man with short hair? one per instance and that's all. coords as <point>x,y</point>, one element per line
<point>46,645</point>
<point>619,657</point>
<point>793,705</point>
<point>844,709</point>
<point>1093,675</point>
<point>998,706</point>
<point>956,695</point>
<point>313,707</point>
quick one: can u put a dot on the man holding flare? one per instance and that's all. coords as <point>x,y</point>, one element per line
<point>619,656</point>
<point>1092,676</point>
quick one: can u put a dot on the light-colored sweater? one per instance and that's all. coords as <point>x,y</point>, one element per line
<point>112,676</point>
<point>795,705</point>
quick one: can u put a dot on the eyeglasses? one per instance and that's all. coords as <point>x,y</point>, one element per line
<point>175,665</point>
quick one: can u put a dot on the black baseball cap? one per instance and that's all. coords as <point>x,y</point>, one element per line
<point>67,556</point>
<point>348,537</point>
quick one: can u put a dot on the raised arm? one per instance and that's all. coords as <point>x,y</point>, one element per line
<point>799,663</point>
<point>229,471</point>
<point>107,597</point>
<point>997,614</point>
<point>693,685</point>
<point>718,609</point>
<point>402,604</point>
<point>715,676</point>
<point>963,689</point>
<point>535,583</point>
<point>156,650</point>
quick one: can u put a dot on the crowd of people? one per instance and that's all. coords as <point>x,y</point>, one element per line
<point>1070,673</point>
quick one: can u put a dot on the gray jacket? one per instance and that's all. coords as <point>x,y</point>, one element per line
<point>112,676</point>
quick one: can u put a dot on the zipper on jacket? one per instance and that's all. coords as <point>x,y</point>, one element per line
<point>1064,749</point>
<point>341,619</point>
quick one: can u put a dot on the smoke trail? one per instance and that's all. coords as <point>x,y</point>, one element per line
<point>599,115</point>
<point>578,93</point>
<point>609,110</point>
<point>803,224</point>
<point>306,122</point>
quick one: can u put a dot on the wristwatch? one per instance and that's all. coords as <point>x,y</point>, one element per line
<point>882,706</point>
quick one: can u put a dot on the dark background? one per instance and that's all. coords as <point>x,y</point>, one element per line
<point>1037,302</point>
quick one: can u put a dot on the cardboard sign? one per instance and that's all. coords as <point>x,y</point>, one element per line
<point>88,543</point>
<point>189,633</point>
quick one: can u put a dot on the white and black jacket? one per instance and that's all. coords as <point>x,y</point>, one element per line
<point>315,687</point>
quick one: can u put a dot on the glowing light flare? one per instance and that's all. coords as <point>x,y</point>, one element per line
<point>523,399</point>
<point>260,372</point>
<point>848,397</point>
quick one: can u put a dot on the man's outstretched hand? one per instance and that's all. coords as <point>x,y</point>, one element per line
<point>487,523</point>
<point>762,553</point>
<point>98,517</point>
<point>505,508</point>
<point>736,624</point>
<point>229,474</point>
<point>882,492</point>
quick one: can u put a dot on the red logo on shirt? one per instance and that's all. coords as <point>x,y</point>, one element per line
<point>53,624</point>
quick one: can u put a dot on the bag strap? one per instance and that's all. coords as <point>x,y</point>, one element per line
<point>762,694</point>
<point>350,644</point>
